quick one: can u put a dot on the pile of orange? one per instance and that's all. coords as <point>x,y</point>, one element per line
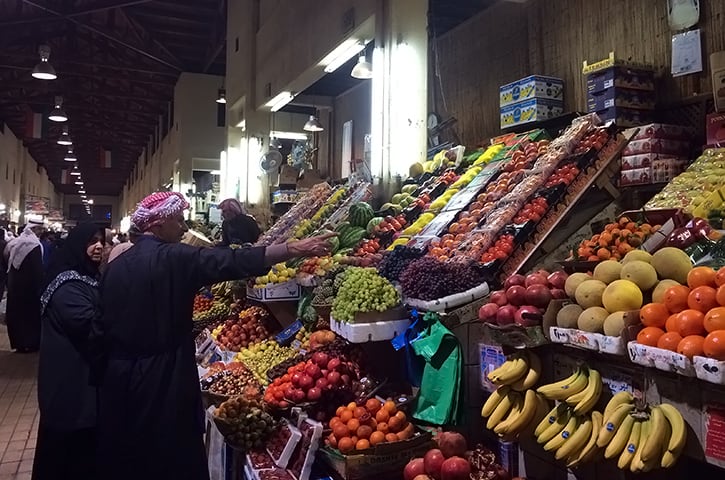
<point>617,239</point>
<point>691,319</point>
<point>360,427</point>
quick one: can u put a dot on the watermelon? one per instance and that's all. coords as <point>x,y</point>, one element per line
<point>360,214</point>
<point>374,222</point>
<point>334,241</point>
<point>342,226</point>
<point>352,237</point>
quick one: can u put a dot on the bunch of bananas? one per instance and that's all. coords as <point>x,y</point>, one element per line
<point>222,292</point>
<point>515,407</point>
<point>581,390</point>
<point>643,439</point>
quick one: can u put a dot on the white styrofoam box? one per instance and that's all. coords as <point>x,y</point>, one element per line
<point>710,370</point>
<point>559,335</point>
<point>613,345</point>
<point>661,359</point>
<point>532,110</point>
<point>533,86</point>
<point>572,336</point>
<point>369,332</point>
<point>287,291</point>
<point>451,301</point>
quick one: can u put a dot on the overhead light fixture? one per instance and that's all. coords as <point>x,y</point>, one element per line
<point>44,70</point>
<point>75,171</point>
<point>279,101</point>
<point>64,138</point>
<point>90,201</point>
<point>79,182</point>
<point>275,134</point>
<point>83,192</point>
<point>69,155</point>
<point>58,114</point>
<point>242,124</point>
<point>340,55</point>
<point>221,96</point>
<point>362,69</point>
<point>313,125</point>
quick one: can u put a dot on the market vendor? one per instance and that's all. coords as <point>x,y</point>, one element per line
<point>151,421</point>
<point>238,227</point>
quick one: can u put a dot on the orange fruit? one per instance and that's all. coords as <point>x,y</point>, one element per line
<point>401,416</point>
<point>377,437</point>
<point>334,421</point>
<point>373,406</point>
<point>720,277</point>
<point>391,437</point>
<point>382,415</point>
<point>691,345</point>
<point>701,276</point>
<point>352,406</point>
<point>339,411</point>
<point>340,431</point>
<point>650,336</point>
<point>395,424</point>
<point>671,323</point>
<point>353,425</point>
<point>654,315</point>
<point>346,416</point>
<point>714,345</point>
<point>669,341</point>
<point>604,254</point>
<point>383,428</point>
<point>690,322</point>
<point>702,298</point>
<point>676,298</point>
<point>714,319</point>
<point>345,445</point>
<point>364,432</point>
<point>359,412</point>
<point>362,444</point>
<point>332,441</point>
<point>720,294</point>
<point>390,407</point>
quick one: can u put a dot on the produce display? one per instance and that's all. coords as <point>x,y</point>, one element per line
<point>360,427</point>
<point>363,290</point>
<point>304,208</point>
<point>250,326</point>
<point>244,422</point>
<point>233,382</point>
<point>279,273</point>
<point>396,261</point>
<point>429,278</point>
<point>260,357</point>
<point>616,240</point>
<point>308,225</point>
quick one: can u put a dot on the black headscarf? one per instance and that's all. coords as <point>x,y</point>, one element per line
<point>72,255</point>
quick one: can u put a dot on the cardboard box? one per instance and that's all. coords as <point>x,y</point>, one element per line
<point>657,145</point>
<point>715,127</point>
<point>659,170</point>
<point>628,162</point>
<point>635,176</point>
<point>532,110</point>
<point>717,67</point>
<point>660,130</point>
<point>625,117</point>
<point>621,77</point>
<point>620,97</point>
<point>534,86</point>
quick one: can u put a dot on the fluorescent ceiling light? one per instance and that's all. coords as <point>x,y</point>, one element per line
<point>75,171</point>
<point>288,135</point>
<point>58,114</point>
<point>90,201</point>
<point>279,101</point>
<point>64,138</point>
<point>79,182</point>
<point>44,70</point>
<point>344,52</point>
<point>216,172</point>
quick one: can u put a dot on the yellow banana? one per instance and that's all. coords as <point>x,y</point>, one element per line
<point>493,400</point>
<point>502,427</point>
<point>625,459</point>
<point>549,418</point>
<point>510,371</point>
<point>678,437</point>
<point>654,444</point>
<point>637,465</point>
<point>560,384</point>
<point>591,393</point>
<point>526,413</point>
<point>669,459</point>
<point>612,423</point>
<point>558,440</point>
<point>532,376</point>
<point>500,411</point>
<point>558,391</point>
<point>617,400</point>
<point>542,410</point>
<point>555,428</point>
<point>619,441</point>
<point>591,446</point>
<point>575,443</point>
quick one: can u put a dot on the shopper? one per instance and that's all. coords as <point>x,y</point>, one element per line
<point>151,420</point>
<point>133,236</point>
<point>3,264</point>
<point>25,277</point>
<point>71,300</point>
<point>238,227</point>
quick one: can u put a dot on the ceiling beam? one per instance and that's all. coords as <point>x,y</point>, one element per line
<point>145,37</point>
<point>98,7</point>
<point>9,87</point>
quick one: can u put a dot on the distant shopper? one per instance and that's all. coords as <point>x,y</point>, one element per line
<point>69,304</point>
<point>25,278</point>
<point>3,264</point>
<point>238,227</point>
<point>133,235</point>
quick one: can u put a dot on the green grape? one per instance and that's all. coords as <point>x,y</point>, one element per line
<point>363,290</point>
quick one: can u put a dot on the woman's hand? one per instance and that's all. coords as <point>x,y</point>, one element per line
<point>311,247</point>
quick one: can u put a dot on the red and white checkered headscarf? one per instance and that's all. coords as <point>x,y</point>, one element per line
<point>158,207</point>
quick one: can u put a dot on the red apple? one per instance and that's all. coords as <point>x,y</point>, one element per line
<point>537,279</point>
<point>516,295</point>
<point>433,461</point>
<point>455,468</point>
<point>313,371</point>
<point>528,316</point>
<point>314,394</point>
<point>414,468</point>
<point>306,382</point>
<point>558,294</point>
<point>499,298</point>
<point>505,315</point>
<point>487,313</point>
<point>515,279</point>
<point>557,279</point>
<point>538,295</point>
<point>334,378</point>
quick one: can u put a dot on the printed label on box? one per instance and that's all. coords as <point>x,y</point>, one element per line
<point>534,86</point>
<point>533,110</point>
<point>491,357</point>
<point>715,437</point>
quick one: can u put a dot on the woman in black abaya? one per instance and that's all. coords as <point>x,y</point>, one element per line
<point>69,304</point>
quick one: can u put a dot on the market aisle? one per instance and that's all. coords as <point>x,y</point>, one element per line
<point>18,411</point>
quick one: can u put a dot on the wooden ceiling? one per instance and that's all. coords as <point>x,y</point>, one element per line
<point>117,63</point>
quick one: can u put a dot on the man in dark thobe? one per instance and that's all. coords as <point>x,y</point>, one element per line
<point>24,279</point>
<point>150,417</point>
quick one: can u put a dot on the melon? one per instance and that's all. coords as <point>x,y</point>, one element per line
<point>374,222</point>
<point>607,271</point>
<point>592,320</point>
<point>622,296</point>
<point>573,282</point>
<point>672,263</point>
<point>589,293</point>
<point>360,214</point>
<point>640,273</point>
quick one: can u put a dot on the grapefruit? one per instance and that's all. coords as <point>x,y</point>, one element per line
<point>622,295</point>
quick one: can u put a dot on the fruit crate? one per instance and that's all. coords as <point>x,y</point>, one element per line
<point>514,336</point>
<point>661,359</point>
<point>282,292</point>
<point>451,301</point>
<point>710,370</point>
<point>369,332</point>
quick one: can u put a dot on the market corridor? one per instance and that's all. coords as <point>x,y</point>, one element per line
<point>18,411</point>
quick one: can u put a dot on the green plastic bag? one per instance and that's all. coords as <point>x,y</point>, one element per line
<point>439,398</point>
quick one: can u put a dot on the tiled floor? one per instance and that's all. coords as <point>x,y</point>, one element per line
<point>18,411</point>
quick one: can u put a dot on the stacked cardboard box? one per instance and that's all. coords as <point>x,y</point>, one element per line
<point>622,94</point>
<point>530,99</point>
<point>657,153</point>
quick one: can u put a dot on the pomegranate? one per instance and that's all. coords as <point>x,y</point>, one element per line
<point>505,315</point>
<point>314,394</point>
<point>413,469</point>
<point>516,295</point>
<point>487,313</point>
<point>452,444</point>
<point>515,279</point>
<point>422,477</point>
<point>320,359</point>
<point>527,316</point>
<point>557,279</point>
<point>455,468</point>
<point>306,381</point>
<point>313,371</point>
<point>537,279</point>
<point>558,294</point>
<point>333,364</point>
<point>499,298</point>
<point>538,295</point>
<point>433,460</point>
